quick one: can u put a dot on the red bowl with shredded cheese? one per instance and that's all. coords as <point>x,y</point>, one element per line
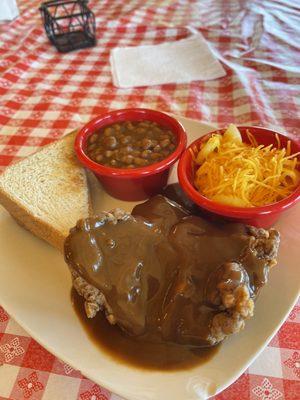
<point>260,216</point>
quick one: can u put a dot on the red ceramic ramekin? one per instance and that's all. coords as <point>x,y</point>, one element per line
<point>263,217</point>
<point>137,183</point>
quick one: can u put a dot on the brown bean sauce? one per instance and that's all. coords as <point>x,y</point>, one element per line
<point>128,350</point>
<point>131,144</point>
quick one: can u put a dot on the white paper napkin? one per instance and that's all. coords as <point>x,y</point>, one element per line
<point>182,61</point>
<point>8,10</point>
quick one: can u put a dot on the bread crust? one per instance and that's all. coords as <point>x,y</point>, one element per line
<point>34,224</point>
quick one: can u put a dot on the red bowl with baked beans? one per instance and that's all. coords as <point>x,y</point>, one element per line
<point>131,151</point>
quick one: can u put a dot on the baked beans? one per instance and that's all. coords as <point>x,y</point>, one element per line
<point>131,144</point>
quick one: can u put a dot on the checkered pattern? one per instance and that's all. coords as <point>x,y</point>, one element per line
<point>45,94</point>
<point>28,371</point>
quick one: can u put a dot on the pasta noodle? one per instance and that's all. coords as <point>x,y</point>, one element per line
<point>235,173</point>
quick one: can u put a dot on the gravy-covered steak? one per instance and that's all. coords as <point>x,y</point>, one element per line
<point>163,274</point>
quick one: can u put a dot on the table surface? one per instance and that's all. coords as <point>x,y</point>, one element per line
<point>45,94</point>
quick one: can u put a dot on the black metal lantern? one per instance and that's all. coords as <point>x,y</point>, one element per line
<point>69,24</point>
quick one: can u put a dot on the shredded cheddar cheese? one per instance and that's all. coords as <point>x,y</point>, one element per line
<point>235,173</point>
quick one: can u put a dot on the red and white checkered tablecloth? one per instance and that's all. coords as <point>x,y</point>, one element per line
<point>45,94</point>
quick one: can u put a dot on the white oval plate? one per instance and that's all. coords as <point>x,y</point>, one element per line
<point>35,289</point>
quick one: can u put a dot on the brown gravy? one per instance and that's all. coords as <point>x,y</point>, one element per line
<point>128,350</point>
<point>159,271</point>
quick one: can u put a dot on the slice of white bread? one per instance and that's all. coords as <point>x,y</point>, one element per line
<point>47,192</point>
